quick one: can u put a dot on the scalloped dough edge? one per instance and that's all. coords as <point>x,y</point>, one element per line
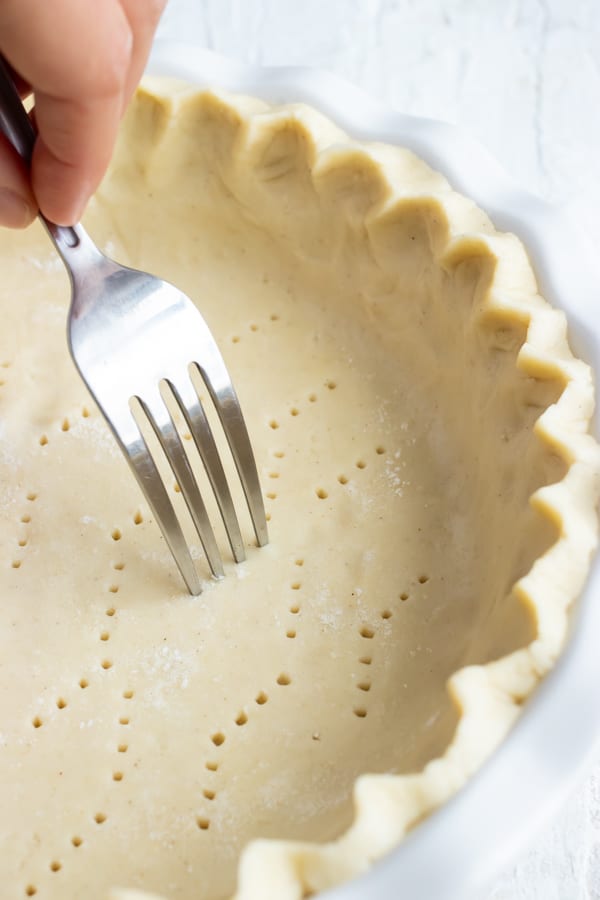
<point>488,697</point>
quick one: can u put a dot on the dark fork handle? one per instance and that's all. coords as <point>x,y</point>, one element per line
<point>14,121</point>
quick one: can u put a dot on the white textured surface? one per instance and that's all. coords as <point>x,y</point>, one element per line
<point>524,77</point>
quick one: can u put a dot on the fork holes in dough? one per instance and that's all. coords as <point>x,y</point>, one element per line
<point>331,385</point>
<point>16,563</point>
<point>22,542</point>
<point>294,411</point>
<point>386,614</point>
<point>404,596</point>
<point>117,776</point>
<point>138,518</point>
<point>36,722</point>
<point>26,519</point>
<point>211,766</point>
<point>55,866</point>
<point>271,495</point>
<point>295,586</point>
<point>279,454</point>
<point>367,632</point>
<point>30,890</point>
<point>322,494</point>
<point>210,795</point>
<point>83,683</point>
<point>274,424</point>
<point>284,679</point>
<point>254,327</point>
<point>235,339</point>
<point>423,579</point>
<point>100,818</point>
<point>241,719</point>
<point>65,425</point>
<point>364,686</point>
<point>119,566</point>
<point>85,412</point>
<point>124,720</point>
<point>116,534</point>
<point>261,698</point>
<point>202,823</point>
<point>312,398</point>
<point>379,450</point>
<point>273,474</point>
<point>61,703</point>
<point>76,841</point>
<point>105,636</point>
<point>360,712</point>
<point>110,611</point>
<point>122,748</point>
<point>218,739</point>
<point>295,609</point>
<point>31,496</point>
<point>106,664</point>
<point>365,660</point>
<point>298,562</point>
<point>290,633</point>
<point>361,464</point>
<point>113,589</point>
<point>43,440</point>
<point>342,479</point>
<point>128,695</point>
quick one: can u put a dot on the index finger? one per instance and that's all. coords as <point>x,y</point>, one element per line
<point>76,57</point>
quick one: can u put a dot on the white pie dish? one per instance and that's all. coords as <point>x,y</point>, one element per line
<point>478,831</point>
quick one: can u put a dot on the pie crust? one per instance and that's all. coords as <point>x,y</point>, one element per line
<point>422,432</point>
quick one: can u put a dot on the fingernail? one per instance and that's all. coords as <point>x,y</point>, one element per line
<point>14,211</point>
<point>80,205</point>
<point>77,210</point>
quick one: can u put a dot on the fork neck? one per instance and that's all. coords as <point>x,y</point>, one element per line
<point>74,245</point>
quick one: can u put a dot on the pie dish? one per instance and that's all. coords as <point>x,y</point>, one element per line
<point>423,432</point>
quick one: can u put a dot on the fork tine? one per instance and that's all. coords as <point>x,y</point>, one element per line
<point>195,417</point>
<point>148,477</point>
<point>164,429</point>
<point>216,378</point>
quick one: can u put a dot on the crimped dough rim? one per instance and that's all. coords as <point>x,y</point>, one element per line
<point>489,697</point>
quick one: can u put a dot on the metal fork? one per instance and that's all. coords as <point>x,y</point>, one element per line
<point>136,340</point>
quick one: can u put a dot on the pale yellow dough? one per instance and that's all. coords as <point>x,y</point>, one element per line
<point>420,427</point>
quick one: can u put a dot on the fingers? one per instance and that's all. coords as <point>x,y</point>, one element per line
<point>76,56</point>
<point>83,60</point>
<point>73,150</point>
<point>70,49</point>
<point>143,19</point>
<point>17,204</point>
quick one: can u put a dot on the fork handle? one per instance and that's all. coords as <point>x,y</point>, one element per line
<point>19,130</point>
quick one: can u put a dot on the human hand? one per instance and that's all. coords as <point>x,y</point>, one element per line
<point>82,59</point>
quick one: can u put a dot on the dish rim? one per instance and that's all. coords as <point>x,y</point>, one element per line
<point>470,846</point>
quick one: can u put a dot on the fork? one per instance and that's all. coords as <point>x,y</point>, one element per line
<point>141,346</point>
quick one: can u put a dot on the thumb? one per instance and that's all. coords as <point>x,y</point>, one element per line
<point>17,205</point>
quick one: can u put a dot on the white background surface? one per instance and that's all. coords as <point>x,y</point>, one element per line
<point>524,77</point>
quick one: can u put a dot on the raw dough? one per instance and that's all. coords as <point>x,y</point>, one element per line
<point>393,360</point>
